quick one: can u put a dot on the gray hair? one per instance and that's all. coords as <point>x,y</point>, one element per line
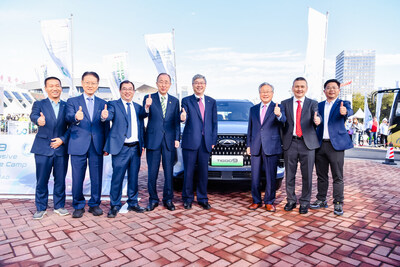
<point>199,76</point>
<point>263,84</point>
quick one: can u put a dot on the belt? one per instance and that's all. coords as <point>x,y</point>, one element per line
<point>131,144</point>
<point>297,137</point>
<point>326,140</point>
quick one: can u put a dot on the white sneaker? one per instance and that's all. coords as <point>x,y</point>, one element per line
<point>39,215</point>
<point>61,211</point>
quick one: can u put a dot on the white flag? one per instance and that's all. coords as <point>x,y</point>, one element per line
<point>41,74</point>
<point>378,105</point>
<point>314,66</point>
<point>117,71</point>
<point>367,113</point>
<point>57,38</point>
<point>161,50</point>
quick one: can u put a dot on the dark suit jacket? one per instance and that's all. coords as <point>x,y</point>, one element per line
<point>192,133</point>
<point>117,114</point>
<point>307,123</point>
<point>267,134</point>
<point>52,129</point>
<point>158,127</point>
<point>84,131</point>
<point>338,135</point>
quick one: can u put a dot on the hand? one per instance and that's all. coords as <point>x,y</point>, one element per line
<point>104,112</point>
<point>212,147</point>
<point>79,114</point>
<point>277,110</point>
<point>42,120</point>
<point>106,153</point>
<point>343,109</point>
<point>317,119</point>
<point>183,115</point>
<point>248,151</point>
<point>176,144</point>
<point>56,142</point>
<point>149,101</point>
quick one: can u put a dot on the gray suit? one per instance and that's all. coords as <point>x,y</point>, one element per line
<point>300,149</point>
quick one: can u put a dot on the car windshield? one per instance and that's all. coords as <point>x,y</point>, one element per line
<point>233,110</point>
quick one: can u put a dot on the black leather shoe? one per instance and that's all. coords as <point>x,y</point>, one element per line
<point>187,205</point>
<point>303,209</point>
<point>205,205</point>
<point>78,213</point>
<point>96,211</point>
<point>289,206</point>
<point>136,208</point>
<point>169,205</point>
<point>152,206</point>
<point>113,212</point>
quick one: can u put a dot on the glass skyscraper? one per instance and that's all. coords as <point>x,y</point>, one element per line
<point>355,69</point>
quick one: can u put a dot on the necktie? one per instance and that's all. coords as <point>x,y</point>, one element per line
<point>129,131</point>
<point>90,107</point>
<point>163,106</point>
<point>299,132</point>
<point>263,111</point>
<point>201,107</point>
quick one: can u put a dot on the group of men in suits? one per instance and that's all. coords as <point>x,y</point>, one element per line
<point>309,133</point>
<point>81,128</point>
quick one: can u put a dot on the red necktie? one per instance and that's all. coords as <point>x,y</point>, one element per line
<point>299,132</point>
<point>201,107</point>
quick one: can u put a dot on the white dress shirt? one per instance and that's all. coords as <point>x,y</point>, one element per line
<point>134,135</point>
<point>295,112</point>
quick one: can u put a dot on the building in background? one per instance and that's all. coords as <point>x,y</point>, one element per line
<point>356,69</point>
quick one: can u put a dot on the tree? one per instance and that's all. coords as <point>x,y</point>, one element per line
<point>387,101</point>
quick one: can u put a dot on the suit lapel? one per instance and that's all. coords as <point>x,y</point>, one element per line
<point>290,111</point>
<point>269,111</point>
<point>305,107</point>
<point>168,107</point>
<point>61,111</point>
<point>120,105</point>
<point>157,105</point>
<point>47,105</point>
<point>334,107</point>
<point>82,103</point>
<point>207,106</point>
<point>196,105</point>
<point>257,113</point>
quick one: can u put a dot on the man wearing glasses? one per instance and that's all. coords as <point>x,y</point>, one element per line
<point>161,139</point>
<point>88,135</point>
<point>199,113</point>
<point>125,144</point>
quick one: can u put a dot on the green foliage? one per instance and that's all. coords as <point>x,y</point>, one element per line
<point>387,101</point>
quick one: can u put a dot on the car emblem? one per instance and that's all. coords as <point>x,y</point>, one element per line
<point>227,142</point>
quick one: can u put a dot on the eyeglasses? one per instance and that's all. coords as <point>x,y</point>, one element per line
<point>90,83</point>
<point>127,89</point>
<point>331,88</point>
<point>199,83</point>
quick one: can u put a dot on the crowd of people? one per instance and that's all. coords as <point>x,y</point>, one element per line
<point>86,128</point>
<point>375,134</point>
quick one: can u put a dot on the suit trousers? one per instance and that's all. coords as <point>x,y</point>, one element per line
<point>44,165</point>
<point>153,163</point>
<point>326,156</point>
<point>298,152</point>
<point>190,158</point>
<point>79,164</point>
<point>269,164</point>
<point>127,160</point>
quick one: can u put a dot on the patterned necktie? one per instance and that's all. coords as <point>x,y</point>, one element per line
<point>129,131</point>
<point>201,107</point>
<point>163,106</point>
<point>299,132</point>
<point>263,111</point>
<point>90,107</point>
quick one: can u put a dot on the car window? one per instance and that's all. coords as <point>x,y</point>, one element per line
<point>233,110</point>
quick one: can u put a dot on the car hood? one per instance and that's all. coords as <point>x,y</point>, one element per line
<point>232,127</point>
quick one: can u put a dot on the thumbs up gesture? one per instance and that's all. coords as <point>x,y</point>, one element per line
<point>317,119</point>
<point>104,112</point>
<point>183,115</point>
<point>42,120</point>
<point>149,101</point>
<point>277,110</point>
<point>343,109</point>
<point>79,114</point>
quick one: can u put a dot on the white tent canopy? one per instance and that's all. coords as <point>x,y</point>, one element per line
<point>359,114</point>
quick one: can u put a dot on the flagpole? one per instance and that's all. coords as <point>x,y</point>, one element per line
<point>72,60</point>
<point>326,38</point>
<point>176,80</point>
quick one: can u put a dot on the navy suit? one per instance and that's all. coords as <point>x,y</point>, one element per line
<point>331,152</point>
<point>197,141</point>
<point>265,145</point>
<point>161,134</point>
<point>86,146</point>
<point>124,157</point>
<point>300,149</point>
<point>47,158</point>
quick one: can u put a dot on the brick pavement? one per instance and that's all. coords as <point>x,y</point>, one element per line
<point>229,234</point>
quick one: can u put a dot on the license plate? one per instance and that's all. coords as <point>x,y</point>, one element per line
<point>227,161</point>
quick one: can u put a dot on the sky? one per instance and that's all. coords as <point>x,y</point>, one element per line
<point>237,45</point>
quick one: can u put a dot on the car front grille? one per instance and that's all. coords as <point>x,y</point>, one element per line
<point>231,144</point>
